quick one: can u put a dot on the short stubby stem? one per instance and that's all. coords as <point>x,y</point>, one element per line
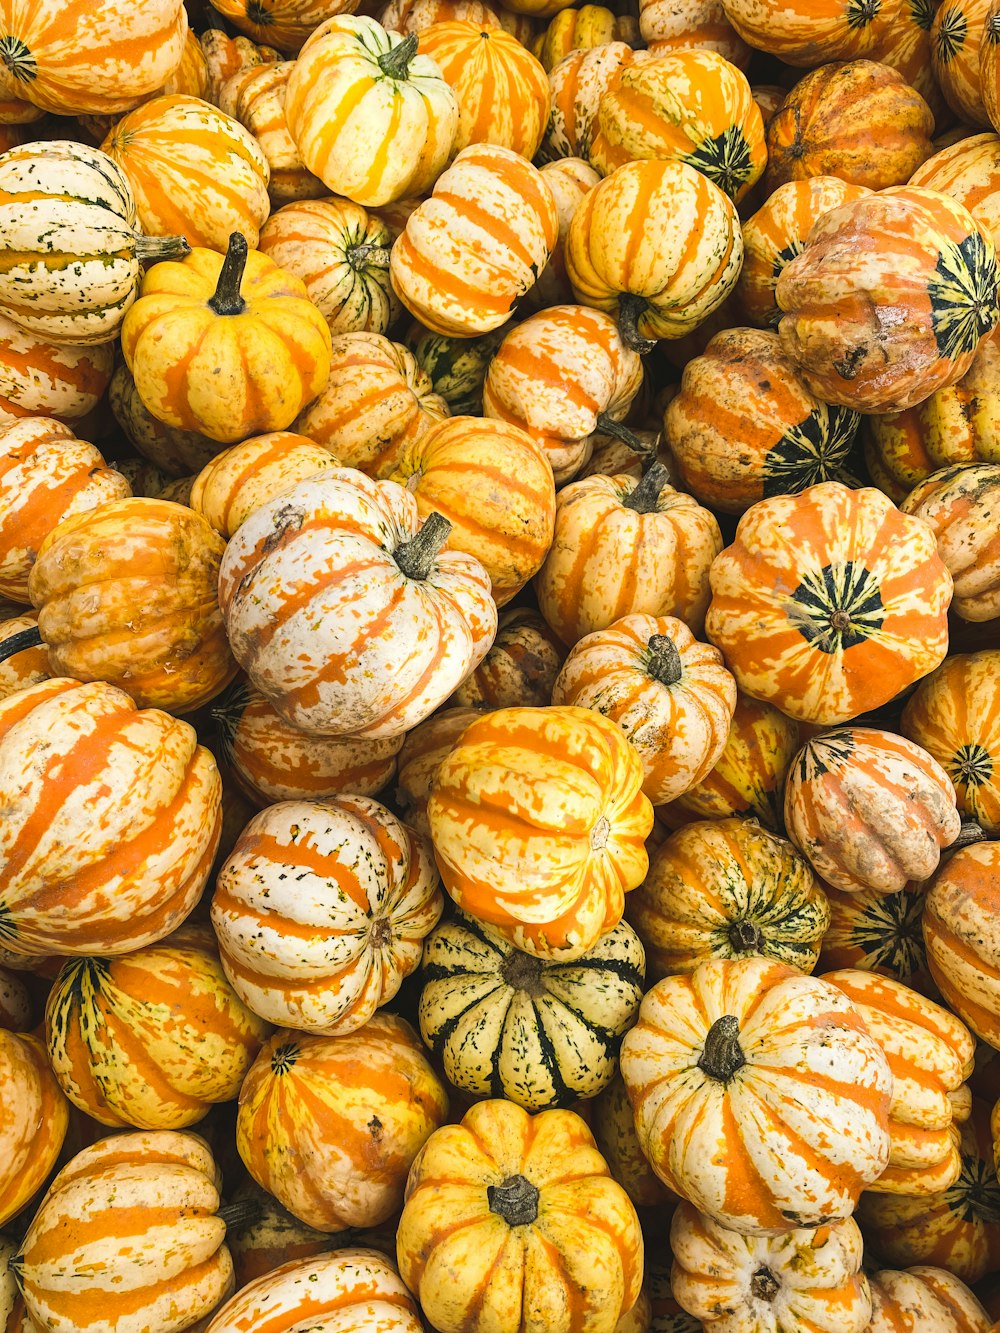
<point>416,557</point>
<point>723,1054</point>
<point>227,299</point>
<point>515,1200</point>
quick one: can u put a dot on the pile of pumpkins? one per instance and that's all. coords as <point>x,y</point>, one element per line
<point>499,666</point>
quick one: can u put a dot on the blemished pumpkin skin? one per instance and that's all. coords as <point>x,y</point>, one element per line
<point>36,1115</point>
<point>577,84</point>
<point>228,346</point>
<point>285,24</point>
<point>127,593</point>
<point>40,378</point>
<point>666,26</point>
<point>494,485</point>
<point>860,122</point>
<point>259,107</point>
<point>330,1125</point>
<point>239,480</point>
<point>471,250</point>
<point>175,452</point>
<point>968,171</point>
<point>869,809</point>
<point>930,1053</point>
<point>321,909</point>
<point>841,619</point>
<point>955,716</point>
<point>905,45</point>
<point>909,258</point>
<point>46,474</point>
<point>372,118</point>
<point>962,938</point>
<point>728,889</point>
<point>878,932</point>
<point>777,232</point>
<point>30,666</point>
<point>505,1024</point>
<point>570,179</point>
<point>705,1042</point>
<point>157,1259</point>
<point>193,171</point>
<point>622,548</point>
<point>562,375</point>
<point>749,774</point>
<point>956,34</point>
<point>807,34</point>
<point>923,1299</point>
<point>539,823</point>
<point>341,253</point>
<point>805,1279</point>
<point>150,1040</point>
<point>960,504</point>
<point>548,1239</point>
<point>375,401</point>
<point>518,671</point>
<point>691,106</point>
<point>419,618</point>
<point>614,1132</point>
<point>424,750</point>
<point>744,391</point>
<point>670,694</point>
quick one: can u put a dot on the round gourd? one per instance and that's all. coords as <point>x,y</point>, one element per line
<point>962,938</point>
<point>173,451</point>
<point>989,66</point>
<point>239,480</point>
<point>878,932</point>
<point>22,667</point>
<point>41,378</point>
<point>702,24</point>
<point>407,16</point>
<point>809,32</point>
<point>519,670</point>
<point>285,24</point>
<point>577,83</point>
<point>960,504</point>
<point>424,750</point>
<point>968,171</point>
<point>923,1299</point>
<point>956,33</point>
<point>36,1115</point>
<point>259,106</point>
<point>226,56</point>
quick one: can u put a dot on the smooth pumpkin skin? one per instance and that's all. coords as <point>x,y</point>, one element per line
<point>127,593</point>
<point>923,1299</point>
<point>968,171</point>
<point>726,888</point>
<point>539,822</point>
<point>956,34</point>
<point>259,106</point>
<point>519,670</point>
<point>36,1115</point>
<point>330,1125</point>
<point>962,937</point>
<point>239,480</point>
<point>701,24</point>
<point>960,503</point>
<point>157,1193</point>
<point>576,1265</point>
<point>841,619</point>
<point>41,378</point>
<point>140,801</point>
<point>810,1278</point>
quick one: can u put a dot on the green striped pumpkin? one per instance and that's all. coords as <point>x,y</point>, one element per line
<point>505,1024</point>
<point>457,366</point>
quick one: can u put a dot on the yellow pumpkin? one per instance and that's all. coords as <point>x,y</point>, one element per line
<point>241,479</point>
<point>259,106</point>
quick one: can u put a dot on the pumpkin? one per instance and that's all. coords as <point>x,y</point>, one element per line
<point>958,503</point>
<point>152,1039</point>
<point>745,391</point>
<point>539,822</point>
<point>905,45</point>
<point>702,24</point>
<point>577,84</point>
<point>134,1224</point>
<point>272,1237</point>
<point>322,955</point>
<point>570,179</point>
<point>624,548</point>
<point>494,485</point>
<point>46,474</point>
<point>989,66</point>
<point>728,889</point>
<point>657,245</point>
<point>330,1125</point>
<point>36,1115</point>
<point>226,346</point>
<point>73,209</point>
<point>962,939</point>
<point>372,118</point>
<point>285,24</point>
<point>955,716</point>
<point>502,90</point>
<point>191,75</point>
<point>956,33</point>
<point>671,696</point>
<point>193,171</point>
<point>968,171</point>
<point>807,1279</point>
<point>749,774</point>
<point>614,1131</point>
<point>406,16</point>
<point>239,480</point>
<point>924,1300</point>
<point>839,620</point>
<point>420,618</point>
<point>520,668</point>
<point>688,106</point>
<point>809,32</point>
<point>860,122</point>
<point>777,232</point>
<point>40,378</point>
<point>260,107</point>
<point>356,1285</point>
<point>226,56</point>
<point>375,401</point>
<point>126,593</point>
<point>878,932</point>
<point>477,244</point>
<point>341,253</point>
<point>423,751</point>
<point>457,366</point>
<point>139,799</point>
<point>73,56</point>
<point>737,1036</point>
<point>929,273</point>
<point>173,450</point>
<point>577,30</point>
<point>562,375</point>
<point>529,1205</point>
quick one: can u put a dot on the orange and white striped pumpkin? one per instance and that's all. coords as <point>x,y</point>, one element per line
<point>579,29</point>
<point>331,1125</point>
<point>519,670</point>
<point>989,66</point>
<point>958,503</point>
<point>477,244</point>
<point>30,666</point>
<point>40,378</point>
<point>191,75</point>
<point>173,450</point>
<point>138,802</point>
<point>35,1118</point>
<point>962,937</point>
<point>968,171</point>
<point>259,106</point>
<point>407,16</point>
<point>710,1047</point>
<point>811,32</point>
<point>241,479</point>
<point>570,179</point>
<point>905,45</point>
<point>924,1299</point>
<point>614,1132</point>
<point>285,24</point>
<point>401,622</point>
<point>958,29</point>
<point>226,56</point>
<point>577,84</point>
<point>879,932</point>
<point>423,751</point>
<point>666,25</point>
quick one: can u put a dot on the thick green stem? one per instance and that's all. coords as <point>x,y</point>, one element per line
<point>20,642</point>
<point>515,1200</point>
<point>395,64</point>
<point>416,557</point>
<point>631,308</point>
<point>646,495</point>
<point>227,299</point>
<point>664,661</point>
<point>723,1054</point>
<point>152,249</point>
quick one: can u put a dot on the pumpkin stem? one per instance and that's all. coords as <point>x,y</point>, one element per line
<point>367,256</point>
<point>723,1054</point>
<point>745,937</point>
<point>240,1213</point>
<point>516,1201</point>
<point>764,1285</point>
<point>631,308</point>
<point>969,833</point>
<point>608,426</point>
<point>395,64</point>
<point>227,299</point>
<point>151,249</point>
<point>18,643</point>
<point>664,661</point>
<point>522,971</point>
<point>643,499</point>
<point>416,556</point>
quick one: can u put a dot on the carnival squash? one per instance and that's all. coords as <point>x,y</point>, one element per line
<point>923,1299</point>
<point>34,1122</point>
<point>519,670</point>
<point>41,378</point>
<point>172,450</point>
<point>960,503</point>
<point>239,480</point>
<point>956,34</point>
<point>259,106</point>
<point>962,937</point>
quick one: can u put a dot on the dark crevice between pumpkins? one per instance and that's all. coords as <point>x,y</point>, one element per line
<point>515,1200</point>
<point>608,426</point>
<point>723,1054</point>
<point>416,557</point>
<point>969,833</point>
<point>227,299</point>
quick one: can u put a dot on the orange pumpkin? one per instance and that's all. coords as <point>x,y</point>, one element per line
<point>174,451</point>
<point>284,24</point>
<point>614,1132</point>
<point>958,28</point>
<point>570,179</point>
<point>241,479</point>
<point>809,32</point>
<point>968,171</point>
<point>923,1299</point>
<point>959,504</point>
<point>39,378</point>
<point>519,670</point>
<point>963,940</point>
<point>577,84</point>
<point>989,66</point>
<point>226,56</point>
<point>259,106</point>
<point>424,750</point>
<point>36,1115</point>
<point>905,45</point>
<point>408,16</point>
<point>579,29</point>
<point>668,26</point>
